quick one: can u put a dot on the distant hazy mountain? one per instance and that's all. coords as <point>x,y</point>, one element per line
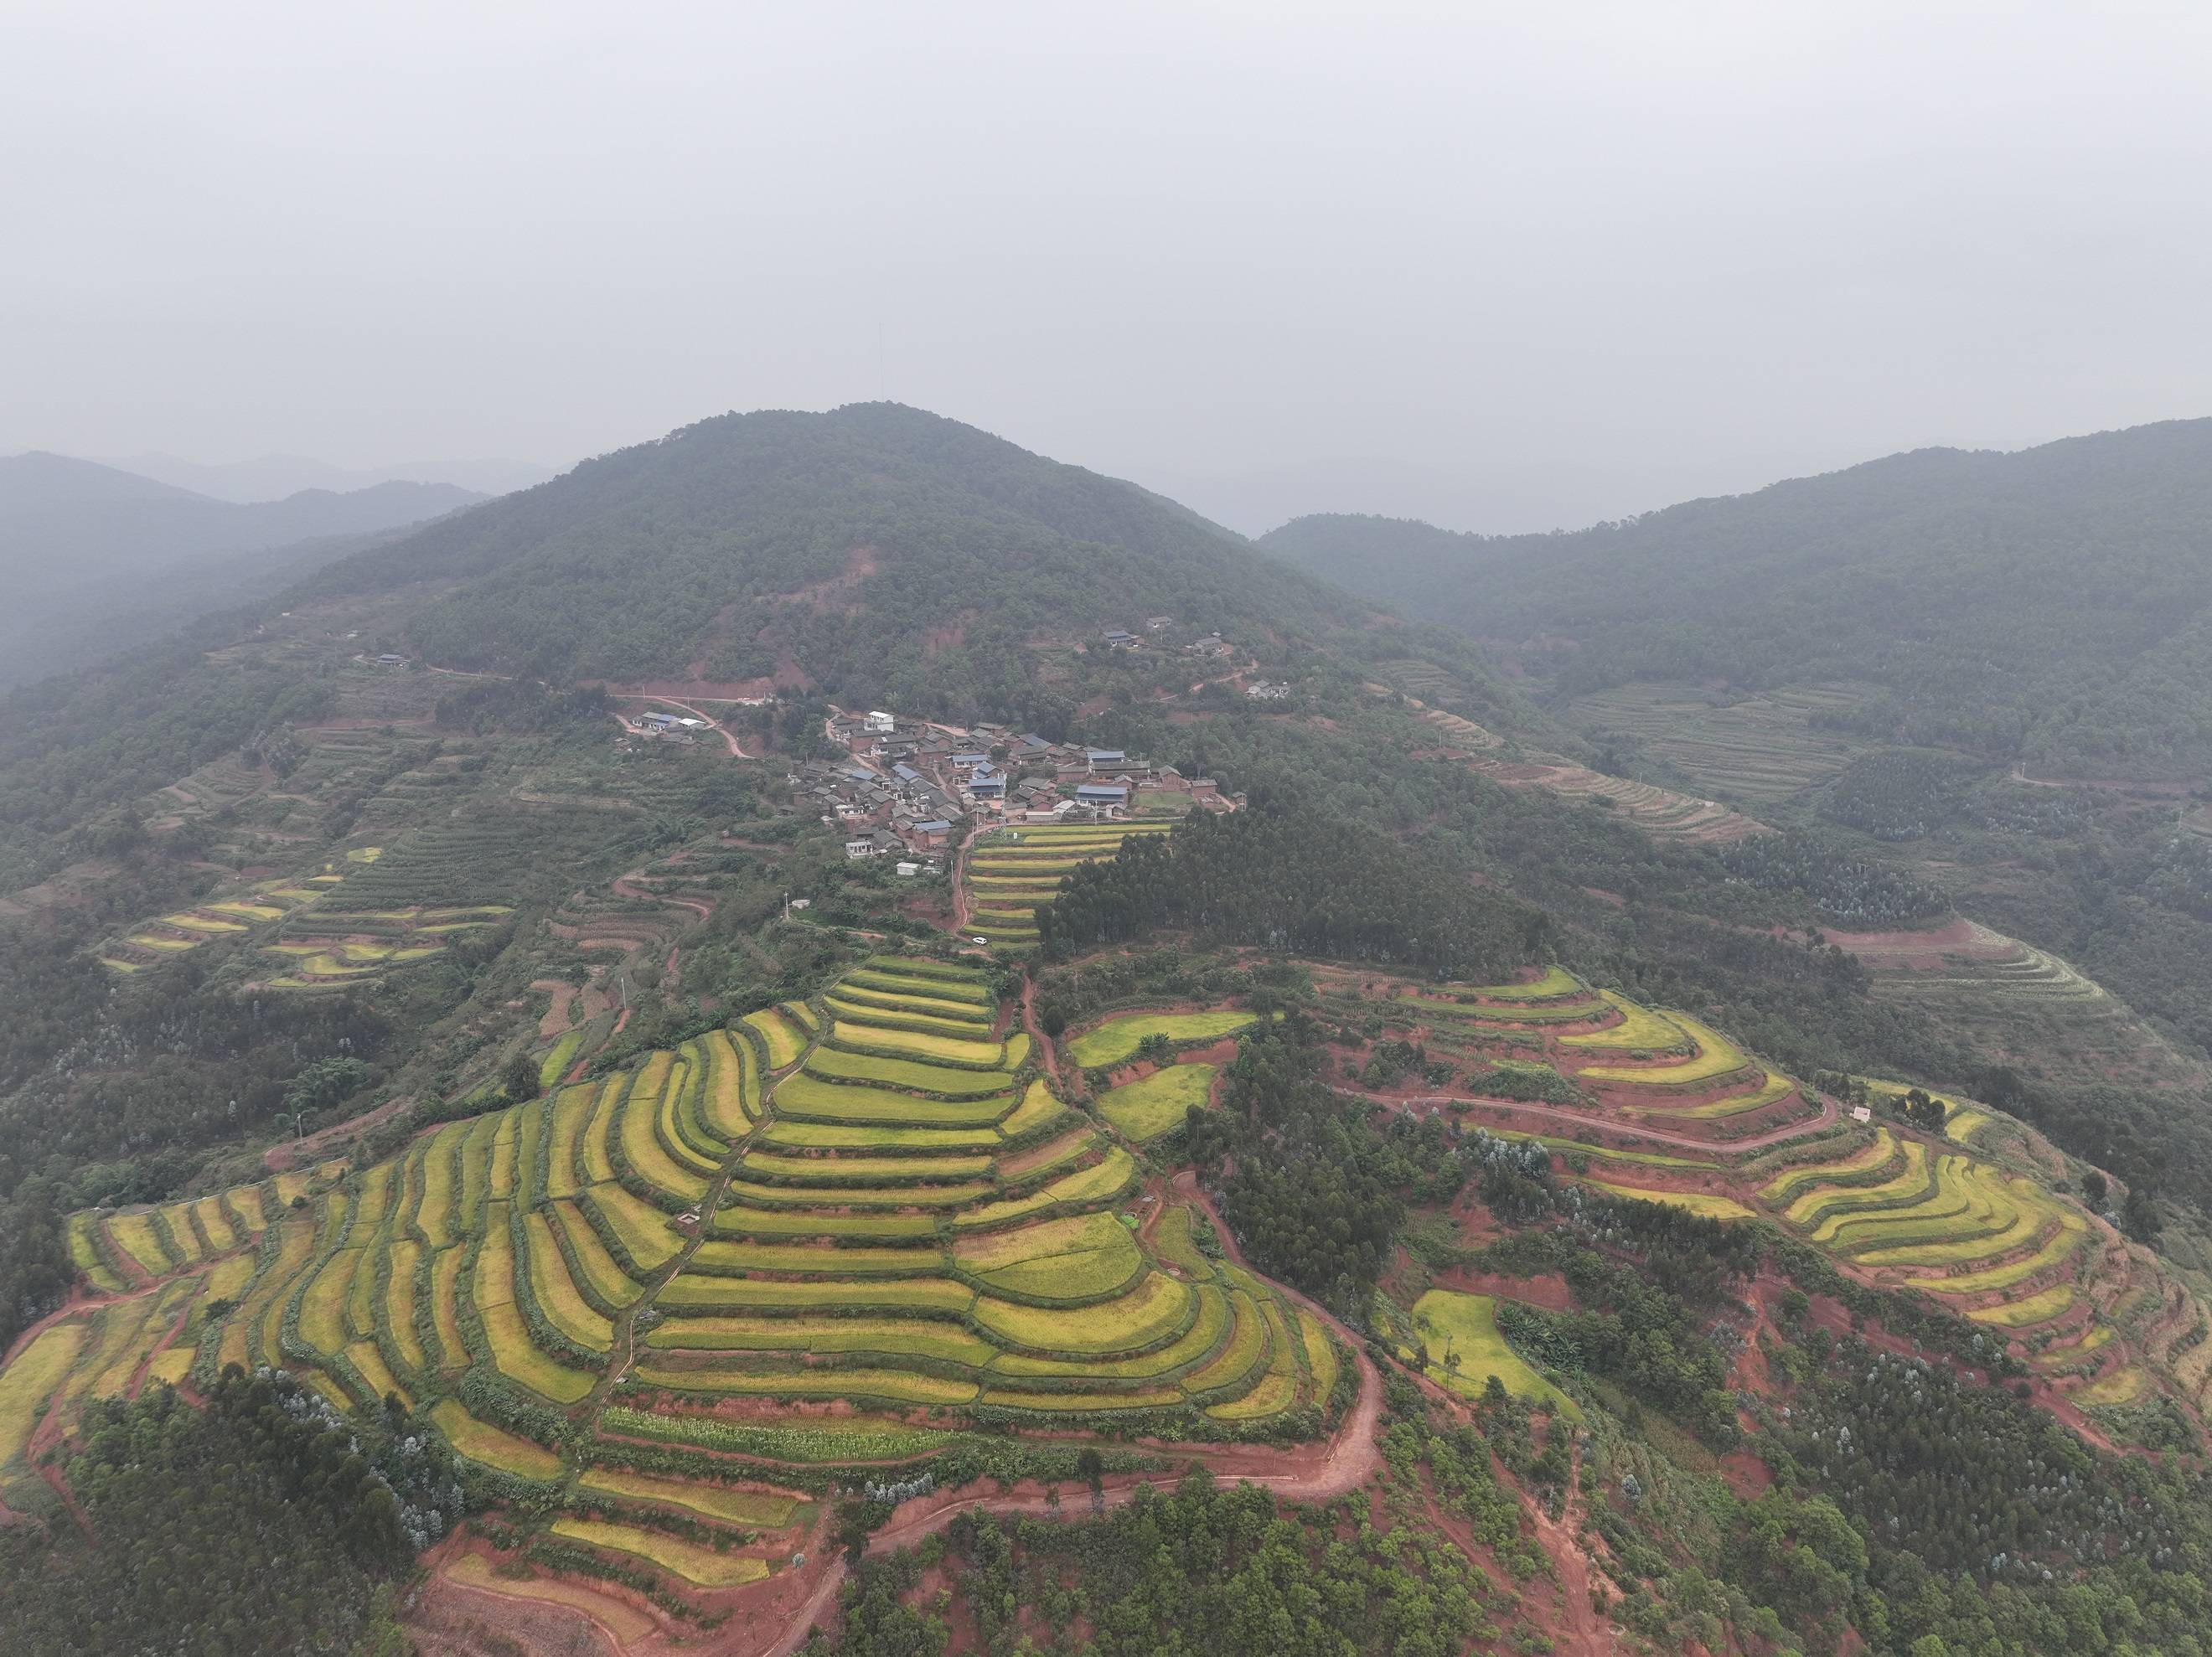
<point>85,548</point>
<point>2053,604</point>
<point>274,477</point>
<point>1486,496</point>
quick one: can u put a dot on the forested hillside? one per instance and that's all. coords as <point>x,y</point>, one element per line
<point>2052,605</point>
<point>876,552</point>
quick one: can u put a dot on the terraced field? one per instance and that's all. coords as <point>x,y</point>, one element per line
<point>2002,985</point>
<point>1996,1245</point>
<point>1592,1053</point>
<point>1009,872</point>
<point>330,948</point>
<point>1660,812</point>
<point>1758,747</point>
<point>1647,1086</point>
<point>740,1216</point>
<point>251,911</point>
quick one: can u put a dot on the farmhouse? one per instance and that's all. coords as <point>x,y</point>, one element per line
<point>1117,639</point>
<point>879,724</point>
<point>881,843</point>
<point>1096,757</point>
<point>1267,690</point>
<point>1106,796</point>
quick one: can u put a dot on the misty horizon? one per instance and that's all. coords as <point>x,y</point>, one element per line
<point>1250,503</point>
<point>1500,271</point>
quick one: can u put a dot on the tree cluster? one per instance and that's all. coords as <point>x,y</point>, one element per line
<point>256,1524</point>
<point>1292,880</point>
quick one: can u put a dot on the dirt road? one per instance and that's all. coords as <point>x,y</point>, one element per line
<point>1658,1136</point>
<point>960,882</point>
<point>720,729</point>
<point>1345,1462</point>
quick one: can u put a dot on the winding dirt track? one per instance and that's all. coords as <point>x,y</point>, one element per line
<point>1658,1136</point>
<point>627,886</point>
<point>1347,1462</point>
<point>960,883</point>
<point>720,729</point>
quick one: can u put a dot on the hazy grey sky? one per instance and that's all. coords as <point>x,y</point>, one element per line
<point>1505,264</point>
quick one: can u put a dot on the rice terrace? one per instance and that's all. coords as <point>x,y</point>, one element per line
<point>664,1305</point>
<point>876,1205</point>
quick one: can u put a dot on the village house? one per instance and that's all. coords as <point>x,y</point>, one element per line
<point>1267,690</point>
<point>1116,639</point>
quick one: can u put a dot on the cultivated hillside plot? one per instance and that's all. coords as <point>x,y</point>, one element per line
<point>1660,1107</point>
<point>1009,872</point>
<point>1755,747</point>
<point>873,1205</point>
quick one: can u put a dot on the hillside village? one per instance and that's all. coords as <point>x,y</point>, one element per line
<point>908,788</point>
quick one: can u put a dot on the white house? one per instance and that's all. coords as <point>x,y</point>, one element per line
<point>879,724</point>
